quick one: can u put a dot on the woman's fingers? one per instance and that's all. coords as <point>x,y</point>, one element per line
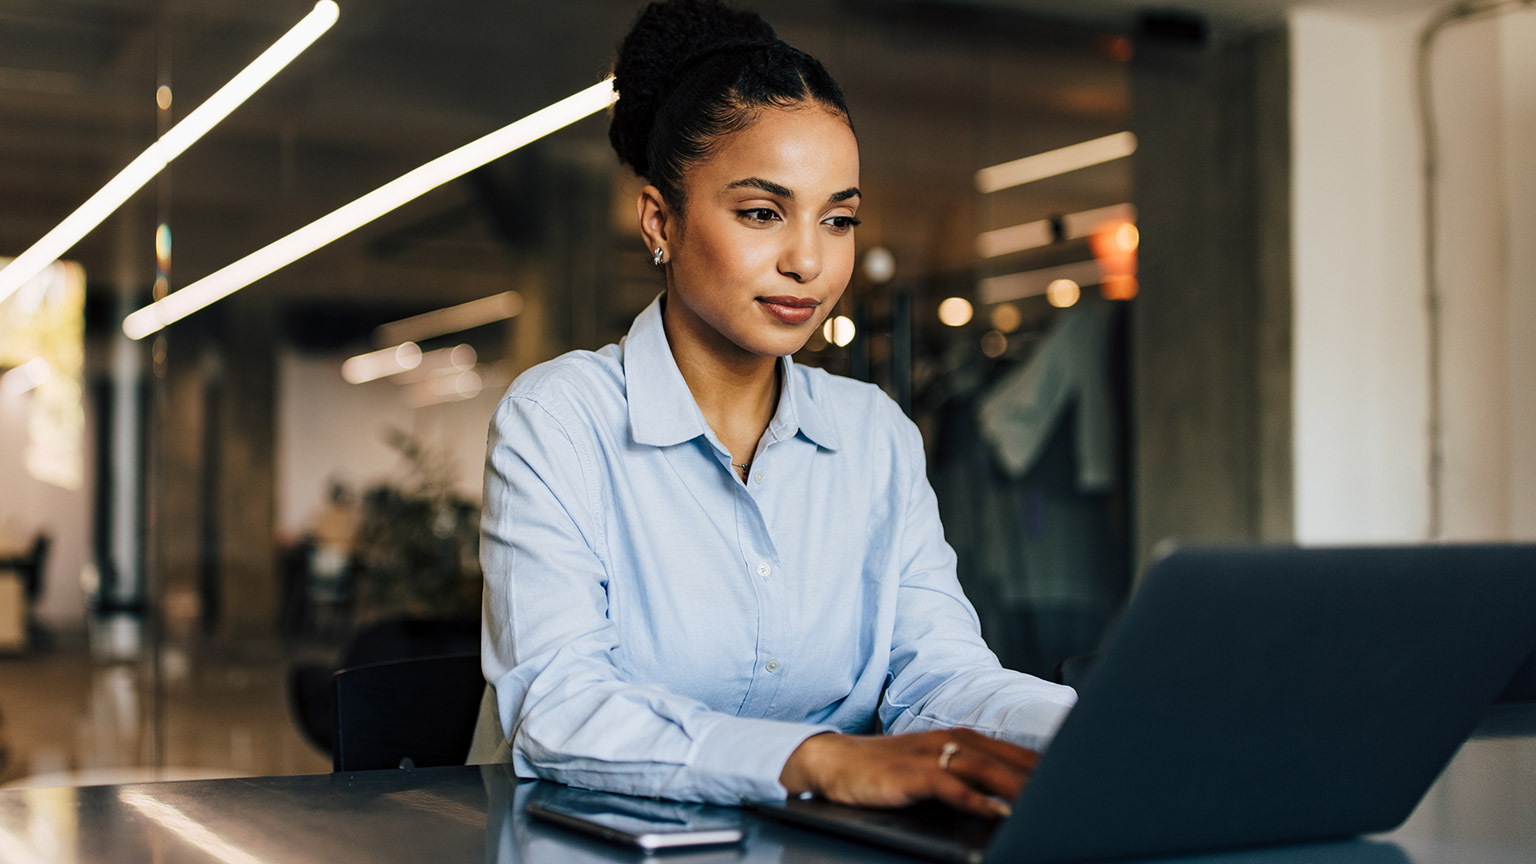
<point>1019,758</point>
<point>958,766</point>
<point>952,791</point>
<point>986,774</point>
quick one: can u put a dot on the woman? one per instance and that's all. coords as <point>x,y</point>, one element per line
<point>712,574</point>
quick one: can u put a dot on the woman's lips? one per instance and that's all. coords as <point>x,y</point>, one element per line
<point>790,310</point>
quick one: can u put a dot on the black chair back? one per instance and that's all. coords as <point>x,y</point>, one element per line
<point>32,574</point>
<point>417,713</point>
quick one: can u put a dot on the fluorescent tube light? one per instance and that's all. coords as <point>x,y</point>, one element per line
<point>381,363</point>
<point>170,145</point>
<point>1014,238</point>
<point>1088,221</point>
<point>452,319</point>
<point>457,386</point>
<point>350,217</point>
<point>1016,286</point>
<point>28,376</point>
<point>1053,162</point>
<point>443,361</point>
<point>1032,235</point>
<point>447,388</point>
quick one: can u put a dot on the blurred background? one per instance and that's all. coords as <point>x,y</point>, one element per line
<point>1243,271</point>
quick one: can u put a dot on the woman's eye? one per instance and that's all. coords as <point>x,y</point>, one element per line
<point>758,214</point>
<point>843,224</point>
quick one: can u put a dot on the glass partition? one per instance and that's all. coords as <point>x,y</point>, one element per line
<point>288,480</point>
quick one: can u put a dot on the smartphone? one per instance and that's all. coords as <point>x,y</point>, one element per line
<point>642,823</point>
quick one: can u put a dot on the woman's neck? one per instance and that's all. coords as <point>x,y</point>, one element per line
<point>736,391</point>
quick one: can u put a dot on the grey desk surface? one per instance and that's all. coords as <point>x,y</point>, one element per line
<point>1482,809</point>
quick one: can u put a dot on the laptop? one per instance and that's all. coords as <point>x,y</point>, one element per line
<point>1251,697</point>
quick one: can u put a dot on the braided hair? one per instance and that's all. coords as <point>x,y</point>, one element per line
<point>690,73</point>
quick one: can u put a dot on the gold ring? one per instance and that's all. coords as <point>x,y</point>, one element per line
<point>946,754</point>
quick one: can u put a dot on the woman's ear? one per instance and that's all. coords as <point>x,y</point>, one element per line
<point>656,222</point>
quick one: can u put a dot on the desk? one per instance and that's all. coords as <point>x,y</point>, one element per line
<point>1482,810</point>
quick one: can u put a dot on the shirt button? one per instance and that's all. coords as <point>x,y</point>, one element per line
<point>763,570</point>
<point>759,477</point>
<point>771,665</point>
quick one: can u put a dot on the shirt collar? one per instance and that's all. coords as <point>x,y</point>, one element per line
<point>661,408</point>
<point>802,411</point>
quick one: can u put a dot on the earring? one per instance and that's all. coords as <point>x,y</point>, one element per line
<point>658,257</point>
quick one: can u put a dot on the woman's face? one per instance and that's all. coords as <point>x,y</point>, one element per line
<point>766,246</point>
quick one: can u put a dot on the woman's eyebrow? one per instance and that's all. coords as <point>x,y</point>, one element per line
<point>768,186</point>
<point>788,194</point>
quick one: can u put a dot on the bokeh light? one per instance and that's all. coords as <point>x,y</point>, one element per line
<point>1062,293</point>
<point>1127,238</point>
<point>993,343</point>
<point>955,311</point>
<point>879,265</point>
<point>839,331</point>
<point>1006,317</point>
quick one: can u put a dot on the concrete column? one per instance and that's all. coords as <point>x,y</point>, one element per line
<point>1361,397</point>
<point>1470,209</point>
<point>123,570</point>
<point>1517,55</point>
<point>246,467</point>
<point>1211,325</point>
<point>1364,422</point>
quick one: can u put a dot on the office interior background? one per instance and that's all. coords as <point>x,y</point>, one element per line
<point>1286,296</point>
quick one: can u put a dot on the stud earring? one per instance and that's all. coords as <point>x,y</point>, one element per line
<point>658,257</point>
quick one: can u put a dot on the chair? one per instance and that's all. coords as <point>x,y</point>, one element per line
<point>19,592</point>
<point>311,697</point>
<point>417,713</point>
<point>31,568</point>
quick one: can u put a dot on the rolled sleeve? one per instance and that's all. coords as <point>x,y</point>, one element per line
<point>943,675</point>
<point>744,757</point>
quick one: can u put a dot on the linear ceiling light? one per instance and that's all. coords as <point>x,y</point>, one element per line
<point>1032,235</point>
<point>1017,286</point>
<point>350,217</point>
<point>381,363</point>
<point>1053,162</point>
<point>452,319</point>
<point>443,361</point>
<point>28,376</point>
<point>170,145</point>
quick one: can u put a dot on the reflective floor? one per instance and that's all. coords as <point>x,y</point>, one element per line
<point>84,710</point>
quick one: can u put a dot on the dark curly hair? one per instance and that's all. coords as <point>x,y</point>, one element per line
<point>691,72</point>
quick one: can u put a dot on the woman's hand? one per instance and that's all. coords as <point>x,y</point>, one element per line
<point>978,773</point>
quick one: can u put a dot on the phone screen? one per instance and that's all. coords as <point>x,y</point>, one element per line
<point>641,822</point>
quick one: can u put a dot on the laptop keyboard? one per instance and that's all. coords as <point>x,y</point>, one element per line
<point>929,819</point>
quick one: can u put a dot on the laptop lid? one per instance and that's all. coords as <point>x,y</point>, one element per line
<point>1254,696</point>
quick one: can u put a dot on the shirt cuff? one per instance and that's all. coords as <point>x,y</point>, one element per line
<point>1034,724</point>
<point>740,759</point>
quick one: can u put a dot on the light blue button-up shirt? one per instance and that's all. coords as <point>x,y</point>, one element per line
<point>656,625</point>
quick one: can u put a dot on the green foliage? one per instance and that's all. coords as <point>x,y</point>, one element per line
<point>418,540</point>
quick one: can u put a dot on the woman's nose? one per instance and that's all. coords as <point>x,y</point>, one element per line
<point>801,259</point>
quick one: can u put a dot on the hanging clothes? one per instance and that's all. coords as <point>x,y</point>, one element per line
<point>1069,369</point>
<point>1027,471</point>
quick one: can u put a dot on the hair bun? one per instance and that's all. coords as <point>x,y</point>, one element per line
<point>664,40</point>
